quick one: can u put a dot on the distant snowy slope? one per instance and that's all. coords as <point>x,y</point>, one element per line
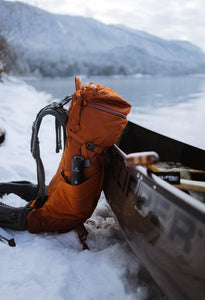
<point>65,45</point>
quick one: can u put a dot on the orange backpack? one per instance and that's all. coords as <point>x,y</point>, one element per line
<point>96,119</point>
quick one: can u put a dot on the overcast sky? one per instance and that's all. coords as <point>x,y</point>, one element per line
<point>170,19</point>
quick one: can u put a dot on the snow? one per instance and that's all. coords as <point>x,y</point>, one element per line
<point>61,45</point>
<point>50,265</point>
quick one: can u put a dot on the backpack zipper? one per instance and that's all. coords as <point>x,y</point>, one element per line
<point>107,110</point>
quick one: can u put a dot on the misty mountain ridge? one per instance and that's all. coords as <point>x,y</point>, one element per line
<point>62,45</point>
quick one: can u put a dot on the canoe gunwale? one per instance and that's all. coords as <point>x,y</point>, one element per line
<point>177,197</point>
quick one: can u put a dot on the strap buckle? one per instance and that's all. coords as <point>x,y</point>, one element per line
<point>90,146</point>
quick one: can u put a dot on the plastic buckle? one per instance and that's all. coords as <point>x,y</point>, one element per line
<point>90,146</point>
<point>103,153</point>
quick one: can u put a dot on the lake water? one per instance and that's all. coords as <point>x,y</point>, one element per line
<point>174,106</point>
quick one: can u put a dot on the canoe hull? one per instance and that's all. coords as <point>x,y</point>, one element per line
<point>164,226</point>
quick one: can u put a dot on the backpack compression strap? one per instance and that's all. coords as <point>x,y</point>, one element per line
<point>60,114</point>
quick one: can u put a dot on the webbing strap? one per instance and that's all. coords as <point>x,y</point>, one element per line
<point>60,114</point>
<point>86,145</point>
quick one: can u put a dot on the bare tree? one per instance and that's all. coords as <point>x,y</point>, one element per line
<point>4,53</point>
<point>8,56</point>
<point>3,46</point>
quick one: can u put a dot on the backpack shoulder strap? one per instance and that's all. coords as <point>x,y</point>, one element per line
<point>61,118</point>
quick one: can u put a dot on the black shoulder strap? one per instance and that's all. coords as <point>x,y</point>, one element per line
<point>60,114</point>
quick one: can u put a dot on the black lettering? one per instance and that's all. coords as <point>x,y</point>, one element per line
<point>115,172</point>
<point>184,228</point>
<point>120,177</point>
<point>146,193</point>
<point>131,185</point>
<point>125,181</point>
<point>160,209</point>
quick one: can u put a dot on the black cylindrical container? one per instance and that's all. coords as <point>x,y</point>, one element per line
<point>77,172</point>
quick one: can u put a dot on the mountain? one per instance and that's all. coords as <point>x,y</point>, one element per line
<point>62,45</point>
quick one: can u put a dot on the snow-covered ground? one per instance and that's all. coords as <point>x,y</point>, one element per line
<point>50,265</point>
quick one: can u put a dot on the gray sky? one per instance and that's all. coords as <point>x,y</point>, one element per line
<point>169,19</point>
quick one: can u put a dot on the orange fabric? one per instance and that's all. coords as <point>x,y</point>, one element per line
<point>77,83</point>
<point>68,206</point>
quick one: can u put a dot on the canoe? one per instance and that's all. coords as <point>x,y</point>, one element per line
<point>161,216</point>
